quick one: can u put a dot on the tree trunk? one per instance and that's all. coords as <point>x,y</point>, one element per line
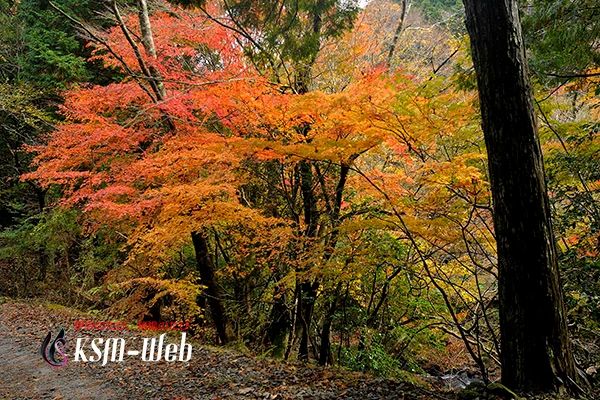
<point>308,289</point>
<point>535,349</point>
<point>398,32</point>
<point>148,43</point>
<point>325,355</point>
<point>279,330</point>
<point>43,261</point>
<point>206,270</point>
<point>305,311</point>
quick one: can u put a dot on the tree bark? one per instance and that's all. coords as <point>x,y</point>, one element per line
<point>306,306</point>
<point>279,330</point>
<point>308,289</point>
<point>398,32</point>
<point>206,270</point>
<point>535,348</point>
<point>325,355</point>
<point>148,42</point>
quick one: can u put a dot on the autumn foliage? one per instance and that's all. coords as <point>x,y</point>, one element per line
<point>291,187</point>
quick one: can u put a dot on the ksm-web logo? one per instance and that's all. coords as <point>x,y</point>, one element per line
<point>114,349</point>
<point>58,346</point>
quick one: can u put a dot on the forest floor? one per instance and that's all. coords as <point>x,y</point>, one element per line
<point>210,374</point>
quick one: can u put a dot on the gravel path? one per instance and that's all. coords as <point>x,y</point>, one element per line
<point>24,375</point>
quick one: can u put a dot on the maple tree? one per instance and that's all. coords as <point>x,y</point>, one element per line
<point>107,144</point>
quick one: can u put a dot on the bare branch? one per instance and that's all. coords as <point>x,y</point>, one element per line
<point>101,41</point>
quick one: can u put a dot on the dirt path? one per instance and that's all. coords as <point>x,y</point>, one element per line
<point>210,374</point>
<point>24,375</point>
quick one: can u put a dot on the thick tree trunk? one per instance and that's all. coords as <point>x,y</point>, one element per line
<point>206,270</point>
<point>535,349</point>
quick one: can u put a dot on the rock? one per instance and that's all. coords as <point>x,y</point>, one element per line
<point>467,394</point>
<point>498,389</point>
<point>474,390</point>
<point>478,386</point>
<point>457,381</point>
<point>591,370</point>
